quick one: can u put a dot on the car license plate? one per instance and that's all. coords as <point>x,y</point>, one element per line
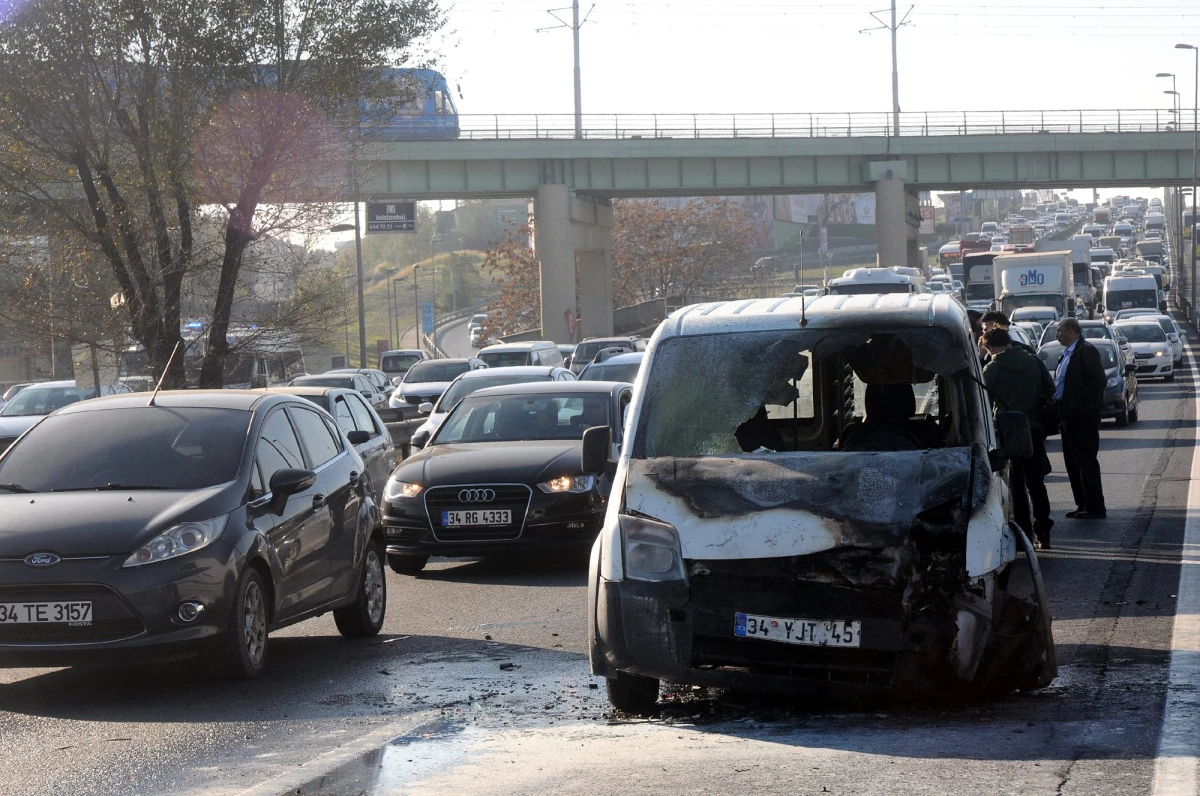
<point>808,632</point>
<point>453,519</point>
<point>78,613</point>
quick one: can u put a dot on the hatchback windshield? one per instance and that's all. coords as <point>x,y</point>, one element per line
<point>504,418</point>
<point>151,447</point>
<point>606,372</point>
<point>505,359</point>
<point>345,382</point>
<point>464,387</point>
<point>44,400</point>
<point>398,363</point>
<point>1142,332</point>
<point>423,372</point>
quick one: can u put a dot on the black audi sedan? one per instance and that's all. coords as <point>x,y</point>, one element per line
<point>503,473</point>
<point>138,528</point>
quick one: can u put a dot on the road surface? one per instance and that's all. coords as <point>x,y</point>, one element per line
<point>480,683</point>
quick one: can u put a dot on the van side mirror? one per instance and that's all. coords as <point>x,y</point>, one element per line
<point>287,482</point>
<point>1013,438</point>
<point>597,442</point>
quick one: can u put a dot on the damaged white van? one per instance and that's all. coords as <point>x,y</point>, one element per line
<point>811,500</point>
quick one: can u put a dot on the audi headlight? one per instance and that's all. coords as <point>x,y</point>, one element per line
<point>401,489</point>
<point>652,551</point>
<point>178,540</point>
<point>569,483</point>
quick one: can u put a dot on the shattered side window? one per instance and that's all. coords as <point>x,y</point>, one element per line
<point>762,392</point>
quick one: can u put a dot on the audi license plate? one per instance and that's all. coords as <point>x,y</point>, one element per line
<point>807,632</point>
<point>453,519</point>
<point>78,613</point>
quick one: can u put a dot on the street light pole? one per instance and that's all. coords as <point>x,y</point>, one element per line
<point>358,269</point>
<point>416,308</point>
<point>1195,131</point>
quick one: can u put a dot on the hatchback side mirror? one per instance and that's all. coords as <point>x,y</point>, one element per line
<point>1013,438</point>
<point>367,394</point>
<point>287,482</point>
<point>597,442</point>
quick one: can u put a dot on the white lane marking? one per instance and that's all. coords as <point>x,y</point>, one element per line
<point>1175,769</point>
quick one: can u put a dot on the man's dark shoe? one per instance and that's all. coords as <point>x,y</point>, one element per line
<point>1042,542</point>
<point>1091,515</point>
<point>1074,514</point>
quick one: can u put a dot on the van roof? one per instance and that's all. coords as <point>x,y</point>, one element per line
<point>519,346</point>
<point>877,309</point>
<point>880,275</point>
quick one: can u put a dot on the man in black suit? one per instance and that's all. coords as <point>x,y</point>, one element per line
<point>1079,390</point>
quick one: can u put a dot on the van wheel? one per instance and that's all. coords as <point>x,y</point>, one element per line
<point>407,565</point>
<point>632,693</point>
<point>364,616</point>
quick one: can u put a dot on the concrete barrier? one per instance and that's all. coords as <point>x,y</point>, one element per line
<point>402,435</point>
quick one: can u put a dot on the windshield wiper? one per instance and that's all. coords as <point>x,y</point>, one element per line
<point>16,488</point>
<point>109,488</point>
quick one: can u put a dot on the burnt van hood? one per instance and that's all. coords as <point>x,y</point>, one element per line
<point>789,504</point>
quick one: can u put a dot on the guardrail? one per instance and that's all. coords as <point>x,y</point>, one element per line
<point>815,125</point>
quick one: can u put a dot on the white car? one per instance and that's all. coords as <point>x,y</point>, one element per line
<point>426,381</point>
<point>474,380</point>
<point>1168,325</point>
<point>1152,351</point>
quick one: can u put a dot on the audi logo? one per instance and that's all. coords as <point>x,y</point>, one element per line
<point>477,495</point>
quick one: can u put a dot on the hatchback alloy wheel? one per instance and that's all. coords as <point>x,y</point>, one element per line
<point>254,623</point>
<point>364,617</point>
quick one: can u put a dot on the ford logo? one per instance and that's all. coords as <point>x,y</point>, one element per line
<point>477,495</point>
<point>42,559</point>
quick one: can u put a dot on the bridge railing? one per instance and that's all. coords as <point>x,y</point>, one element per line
<point>814,125</point>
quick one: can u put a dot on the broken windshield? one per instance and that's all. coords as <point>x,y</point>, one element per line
<point>804,390</point>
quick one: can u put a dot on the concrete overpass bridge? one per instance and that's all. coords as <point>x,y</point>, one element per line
<point>574,180</point>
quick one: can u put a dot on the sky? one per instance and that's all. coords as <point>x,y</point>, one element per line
<point>809,56</point>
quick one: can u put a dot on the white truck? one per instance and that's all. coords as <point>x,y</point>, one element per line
<point>1127,292</point>
<point>1081,270</point>
<point>1035,279</point>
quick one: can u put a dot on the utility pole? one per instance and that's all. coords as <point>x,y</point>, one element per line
<point>893,28</point>
<point>575,24</point>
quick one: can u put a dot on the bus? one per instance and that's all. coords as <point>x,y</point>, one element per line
<point>1021,238</point>
<point>256,358</point>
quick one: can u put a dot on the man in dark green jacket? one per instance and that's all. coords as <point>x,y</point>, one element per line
<point>1019,382</point>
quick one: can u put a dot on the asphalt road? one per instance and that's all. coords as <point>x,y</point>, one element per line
<point>481,679</point>
<point>453,339</point>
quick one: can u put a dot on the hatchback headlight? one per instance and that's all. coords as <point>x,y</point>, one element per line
<point>1113,381</point>
<point>401,489</point>
<point>178,540</point>
<point>652,551</point>
<point>1160,353</point>
<point>568,483</point>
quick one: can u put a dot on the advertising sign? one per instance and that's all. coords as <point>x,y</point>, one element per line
<point>427,317</point>
<point>927,224</point>
<point>391,217</point>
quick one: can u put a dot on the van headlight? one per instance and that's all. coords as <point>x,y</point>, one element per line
<point>177,540</point>
<point>652,551</point>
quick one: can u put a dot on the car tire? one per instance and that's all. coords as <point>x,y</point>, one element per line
<point>1123,417</point>
<point>243,652</point>
<point>364,617</point>
<point>1170,377</point>
<point>632,693</point>
<point>407,565</point>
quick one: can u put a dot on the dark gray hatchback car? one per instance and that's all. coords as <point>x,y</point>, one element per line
<point>188,524</point>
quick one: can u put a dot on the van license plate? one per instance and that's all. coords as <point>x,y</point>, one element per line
<point>807,632</point>
<point>452,519</point>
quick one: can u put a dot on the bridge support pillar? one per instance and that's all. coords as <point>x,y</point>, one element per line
<point>891,211</point>
<point>574,246</point>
